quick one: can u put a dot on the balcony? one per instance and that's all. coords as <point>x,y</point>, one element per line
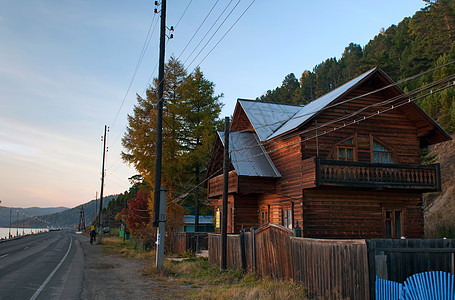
<point>320,172</point>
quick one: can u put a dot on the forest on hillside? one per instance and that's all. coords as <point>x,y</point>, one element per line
<point>404,51</point>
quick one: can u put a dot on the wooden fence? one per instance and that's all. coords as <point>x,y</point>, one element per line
<point>331,269</point>
<point>188,241</point>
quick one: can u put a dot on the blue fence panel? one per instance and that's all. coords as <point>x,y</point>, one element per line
<point>433,285</point>
<point>388,290</point>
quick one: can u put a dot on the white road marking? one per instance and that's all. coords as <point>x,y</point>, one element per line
<point>43,285</point>
<point>4,255</point>
<point>26,248</point>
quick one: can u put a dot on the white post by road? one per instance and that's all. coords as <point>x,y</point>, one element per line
<point>161,230</point>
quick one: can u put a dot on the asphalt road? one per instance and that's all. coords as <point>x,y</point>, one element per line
<point>43,266</point>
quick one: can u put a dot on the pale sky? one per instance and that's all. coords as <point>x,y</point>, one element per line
<point>65,67</point>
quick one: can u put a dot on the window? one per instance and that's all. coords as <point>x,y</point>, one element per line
<point>287,218</point>
<point>264,218</point>
<point>393,224</point>
<point>345,150</point>
<point>381,153</point>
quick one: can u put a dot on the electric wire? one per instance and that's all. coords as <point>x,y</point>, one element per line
<point>180,19</point>
<point>208,31</point>
<point>197,30</point>
<point>139,62</point>
<point>213,35</point>
<point>225,33</point>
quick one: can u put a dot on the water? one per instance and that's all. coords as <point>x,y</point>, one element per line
<point>4,232</point>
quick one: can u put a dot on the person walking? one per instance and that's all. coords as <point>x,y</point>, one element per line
<point>92,236</point>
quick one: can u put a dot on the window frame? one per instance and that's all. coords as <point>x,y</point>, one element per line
<point>393,220</point>
<point>333,154</point>
<point>392,150</point>
<point>287,216</point>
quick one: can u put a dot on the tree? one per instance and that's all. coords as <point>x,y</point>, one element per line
<point>190,120</point>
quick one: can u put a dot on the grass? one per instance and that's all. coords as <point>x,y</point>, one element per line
<point>202,280</point>
<point>116,245</point>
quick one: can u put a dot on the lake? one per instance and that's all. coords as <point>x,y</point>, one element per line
<point>4,232</point>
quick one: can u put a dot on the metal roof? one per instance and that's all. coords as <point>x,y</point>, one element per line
<point>248,156</point>
<point>314,107</point>
<point>191,219</point>
<point>267,117</point>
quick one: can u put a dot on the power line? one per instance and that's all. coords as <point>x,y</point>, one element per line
<point>178,22</point>
<point>139,61</point>
<point>226,33</point>
<point>208,14</point>
<point>232,10</point>
<point>208,31</point>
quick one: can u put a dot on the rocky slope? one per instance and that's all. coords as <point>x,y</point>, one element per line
<point>440,207</point>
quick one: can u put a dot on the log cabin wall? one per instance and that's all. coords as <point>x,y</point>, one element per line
<point>242,211</point>
<point>287,158</point>
<point>246,212</point>
<point>355,213</point>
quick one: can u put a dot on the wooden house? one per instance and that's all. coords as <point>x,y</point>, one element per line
<point>346,165</point>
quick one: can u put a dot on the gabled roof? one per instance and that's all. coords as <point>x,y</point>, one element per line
<point>308,111</point>
<point>266,118</point>
<point>248,156</point>
<point>271,120</point>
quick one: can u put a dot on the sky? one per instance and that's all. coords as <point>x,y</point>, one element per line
<point>68,68</point>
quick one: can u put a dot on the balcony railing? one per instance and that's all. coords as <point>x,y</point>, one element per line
<point>344,173</point>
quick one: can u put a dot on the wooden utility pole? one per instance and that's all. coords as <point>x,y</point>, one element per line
<point>225,194</point>
<point>100,217</point>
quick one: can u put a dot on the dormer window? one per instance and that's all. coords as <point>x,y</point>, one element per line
<point>345,150</point>
<point>381,153</point>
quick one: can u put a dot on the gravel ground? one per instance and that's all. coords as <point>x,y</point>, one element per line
<point>115,277</point>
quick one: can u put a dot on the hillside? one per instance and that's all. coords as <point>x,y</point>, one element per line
<point>63,218</point>
<point>440,207</point>
<point>29,212</point>
<point>404,51</point>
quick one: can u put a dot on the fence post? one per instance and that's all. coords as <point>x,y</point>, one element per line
<point>242,250</point>
<point>253,249</point>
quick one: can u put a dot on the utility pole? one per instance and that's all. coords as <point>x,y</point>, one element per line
<point>96,206</point>
<point>161,231</point>
<point>102,186</point>
<point>158,212</point>
<point>81,219</point>
<point>159,118</point>
<point>225,194</point>
<point>17,224</point>
<point>10,209</point>
<point>196,217</point>
<point>196,196</point>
